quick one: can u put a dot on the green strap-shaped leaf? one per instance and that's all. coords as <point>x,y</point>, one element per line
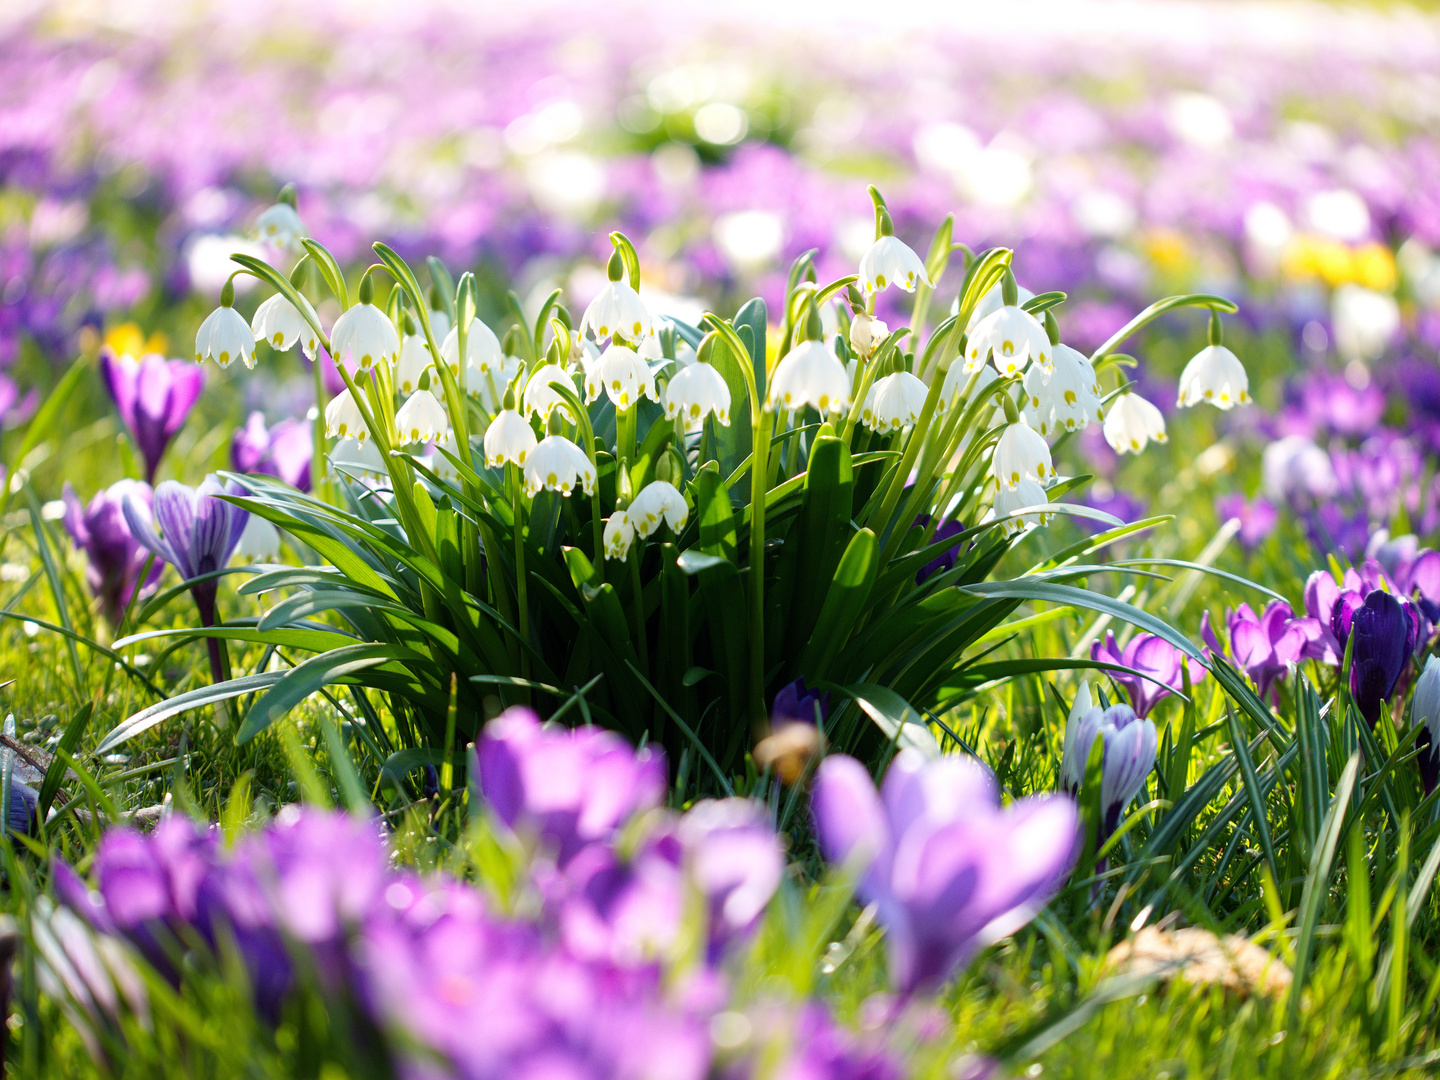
<point>844,605</point>
<point>55,774</point>
<point>900,722</point>
<point>194,699</point>
<point>295,685</point>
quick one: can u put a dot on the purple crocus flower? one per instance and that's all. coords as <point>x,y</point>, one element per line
<point>565,788</point>
<point>1385,631</point>
<point>734,860</point>
<point>154,396</point>
<point>1152,655</point>
<point>1128,754</point>
<point>115,559</point>
<point>1263,645</point>
<point>948,868</point>
<point>283,451</point>
<point>1257,518</point>
<point>797,702</point>
<point>946,530</point>
<point>198,534</point>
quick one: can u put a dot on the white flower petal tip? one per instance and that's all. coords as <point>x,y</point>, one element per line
<point>540,398</point>
<point>509,439</point>
<point>658,500</point>
<point>618,312</point>
<point>364,336</point>
<point>1132,423</point>
<point>1214,375</point>
<point>697,391</point>
<point>422,418</point>
<point>1013,337</point>
<point>225,337</point>
<point>810,374</point>
<point>890,262</point>
<point>624,376</point>
<point>280,323</point>
<point>483,354</point>
<point>1066,398</point>
<point>343,418</point>
<point>619,535</point>
<point>1025,494</point>
<point>894,401</point>
<point>1021,454</point>
<point>557,464</point>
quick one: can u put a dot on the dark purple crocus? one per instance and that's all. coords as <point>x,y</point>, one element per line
<point>1263,645</point>
<point>946,530</point>
<point>1152,655</point>
<point>1385,630</point>
<point>283,451</point>
<point>565,788</point>
<point>797,702</point>
<point>1257,518</point>
<point>115,559</point>
<point>949,869</point>
<point>154,396</point>
<point>198,533</point>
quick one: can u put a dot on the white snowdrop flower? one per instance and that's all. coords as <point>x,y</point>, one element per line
<point>509,438</point>
<point>415,360</point>
<point>439,463</point>
<point>890,262</point>
<point>695,391</point>
<point>956,378</point>
<point>809,374</point>
<point>587,353</point>
<point>618,312</point>
<point>483,355</point>
<point>619,535</point>
<point>490,387</point>
<point>658,499</point>
<point>260,541</point>
<point>225,337</point>
<point>866,333</point>
<point>342,418</point>
<point>991,302</point>
<point>439,325</point>
<point>422,418</point>
<point>1013,337</point>
<point>557,464</point>
<point>540,398</point>
<point>625,376</point>
<point>280,323</point>
<point>1214,374</point>
<point>280,226</point>
<point>1021,453</point>
<point>893,402</point>
<point>357,455</point>
<point>364,335</point>
<point>1026,493</point>
<point>1065,399</point>
<point>1132,423</point>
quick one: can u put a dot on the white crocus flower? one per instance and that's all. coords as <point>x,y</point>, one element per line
<point>509,438</point>
<point>415,360</point>
<point>1065,399</point>
<point>1021,453</point>
<point>280,323</point>
<point>866,333</point>
<point>557,464</point>
<point>224,337</point>
<point>422,418</point>
<point>893,402</point>
<point>260,541</point>
<point>1024,494</point>
<point>540,398</point>
<point>810,374</point>
<point>1072,777</point>
<point>619,535</point>
<point>890,262</point>
<point>1216,375</point>
<point>658,499</point>
<point>342,418</point>
<point>483,355</point>
<point>625,376</point>
<point>1013,337</point>
<point>364,335</point>
<point>695,391</point>
<point>618,312</point>
<point>280,226</point>
<point>1133,422</point>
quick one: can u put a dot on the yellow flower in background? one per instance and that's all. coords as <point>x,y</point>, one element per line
<point>1167,249</point>
<point>1375,268</point>
<point>1308,256</point>
<point>128,339</point>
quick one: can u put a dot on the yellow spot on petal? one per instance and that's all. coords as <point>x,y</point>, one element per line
<point>223,359</point>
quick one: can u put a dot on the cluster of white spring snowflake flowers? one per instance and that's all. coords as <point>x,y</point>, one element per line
<point>658,503</point>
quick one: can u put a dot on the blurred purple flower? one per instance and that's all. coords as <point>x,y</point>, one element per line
<point>1152,655</point>
<point>15,410</point>
<point>1257,518</point>
<point>283,451</point>
<point>1114,502</point>
<point>153,396</point>
<point>949,869</point>
<point>1325,403</point>
<point>114,558</point>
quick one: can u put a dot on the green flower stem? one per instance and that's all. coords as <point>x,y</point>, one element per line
<point>761,445</point>
<point>521,586</point>
<point>318,478</point>
<point>637,607</point>
<point>625,433</point>
<point>907,460</point>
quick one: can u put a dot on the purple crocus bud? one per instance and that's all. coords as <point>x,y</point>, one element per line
<point>1257,519</point>
<point>153,396</point>
<point>946,559</point>
<point>1152,655</point>
<point>1385,630</point>
<point>1128,754</point>
<point>115,559</point>
<point>565,788</point>
<point>734,859</point>
<point>1425,710</point>
<point>950,870</point>
<point>797,702</point>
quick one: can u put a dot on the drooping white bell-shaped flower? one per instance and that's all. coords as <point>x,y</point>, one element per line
<point>557,464</point>
<point>415,360</point>
<point>893,402</point>
<point>991,302</point>
<point>343,419</point>
<point>225,337</point>
<point>809,374</point>
<point>441,465</point>
<point>1025,494</point>
<point>1132,423</point>
<point>1012,338</point>
<point>422,418</point>
<point>508,439</point>
<point>1021,452</point>
<point>540,399</point>
<point>866,333</point>
<point>1065,399</point>
<point>695,391</point>
<point>626,377</point>
<point>259,542</point>
<point>889,261</point>
<point>280,226</point>
<point>280,323</point>
<point>364,336</point>
<point>490,387</point>
<point>1214,374</point>
<point>619,535</point>
<point>483,354</point>
<point>658,499</point>
<point>618,312</point>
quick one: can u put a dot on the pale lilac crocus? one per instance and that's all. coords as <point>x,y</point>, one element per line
<point>1264,645</point>
<point>1155,657</point>
<point>283,451</point>
<point>115,559</point>
<point>1128,754</point>
<point>949,870</point>
<point>153,396</point>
